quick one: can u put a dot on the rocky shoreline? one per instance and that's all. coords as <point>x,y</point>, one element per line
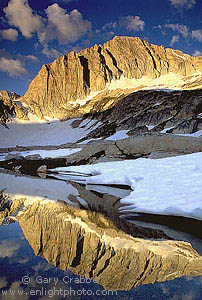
<point>148,145</point>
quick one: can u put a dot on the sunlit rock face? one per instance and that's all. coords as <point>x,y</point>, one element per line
<point>145,145</point>
<point>88,244</point>
<point>59,86</point>
<point>9,108</point>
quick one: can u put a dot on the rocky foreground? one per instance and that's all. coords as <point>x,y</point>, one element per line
<point>145,145</point>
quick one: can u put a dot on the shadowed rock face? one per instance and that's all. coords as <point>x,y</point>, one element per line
<point>178,111</point>
<point>10,108</point>
<point>74,75</point>
<point>88,244</point>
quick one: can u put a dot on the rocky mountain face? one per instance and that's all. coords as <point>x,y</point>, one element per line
<point>56,89</point>
<point>10,108</point>
<point>88,244</point>
<point>147,111</point>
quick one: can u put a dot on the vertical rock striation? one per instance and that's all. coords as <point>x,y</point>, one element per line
<point>75,75</point>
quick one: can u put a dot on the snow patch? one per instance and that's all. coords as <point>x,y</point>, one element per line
<point>40,134</point>
<point>167,129</point>
<point>150,127</point>
<point>195,134</point>
<point>82,102</point>
<point>44,153</point>
<point>167,186</point>
<point>157,104</point>
<point>119,135</point>
<point>169,81</point>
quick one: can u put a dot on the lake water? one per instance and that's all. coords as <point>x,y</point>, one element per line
<point>67,250</point>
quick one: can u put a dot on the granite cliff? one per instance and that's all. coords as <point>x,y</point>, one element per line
<point>56,89</point>
<point>9,107</point>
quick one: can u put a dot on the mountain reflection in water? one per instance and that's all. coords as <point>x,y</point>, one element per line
<point>89,239</point>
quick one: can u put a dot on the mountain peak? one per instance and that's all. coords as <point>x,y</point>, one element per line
<point>77,75</point>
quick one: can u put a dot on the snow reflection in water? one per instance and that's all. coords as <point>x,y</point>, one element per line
<point>19,258</point>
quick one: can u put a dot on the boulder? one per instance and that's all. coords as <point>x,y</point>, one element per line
<point>146,145</point>
<point>42,169</point>
<point>33,157</point>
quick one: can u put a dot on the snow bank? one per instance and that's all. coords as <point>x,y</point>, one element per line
<point>41,134</point>
<point>119,135</point>
<point>167,186</point>
<point>44,153</point>
<point>169,81</point>
<point>195,134</point>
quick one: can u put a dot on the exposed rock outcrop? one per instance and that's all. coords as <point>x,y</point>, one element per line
<point>148,145</point>
<point>8,207</point>
<point>146,111</point>
<point>145,145</point>
<point>90,245</point>
<point>75,75</point>
<point>9,108</point>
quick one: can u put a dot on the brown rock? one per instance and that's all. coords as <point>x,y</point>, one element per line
<point>145,145</point>
<point>9,108</point>
<point>74,75</point>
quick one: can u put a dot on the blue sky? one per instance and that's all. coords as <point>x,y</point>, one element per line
<point>34,32</point>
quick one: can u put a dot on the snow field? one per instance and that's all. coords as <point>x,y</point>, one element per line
<point>167,186</point>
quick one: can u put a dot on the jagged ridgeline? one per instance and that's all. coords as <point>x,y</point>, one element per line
<point>58,85</point>
<point>10,108</point>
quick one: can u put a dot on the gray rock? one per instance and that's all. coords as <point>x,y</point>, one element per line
<point>17,169</point>
<point>42,169</point>
<point>33,157</point>
<point>146,145</point>
<point>14,156</point>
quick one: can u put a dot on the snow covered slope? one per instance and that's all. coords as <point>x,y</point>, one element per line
<point>168,186</point>
<point>28,133</point>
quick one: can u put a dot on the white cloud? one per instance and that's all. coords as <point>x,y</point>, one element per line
<point>21,15</point>
<point>32,57</point>
<point>15,69</point>
<point>197,34</point>
<point>110,26</point>
<point>58,24</point>
<point>183,29</point>
<point>132,23</point>
<point>8,249</point>
<point>50,53</point>
<point>28,57</point>
<point>174,40</point>
<point>63,26</point>
<point>197,53</point>
<point>183,3</point>
<point>9,34</point>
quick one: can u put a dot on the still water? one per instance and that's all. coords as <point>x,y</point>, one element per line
<point>78,247</point>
